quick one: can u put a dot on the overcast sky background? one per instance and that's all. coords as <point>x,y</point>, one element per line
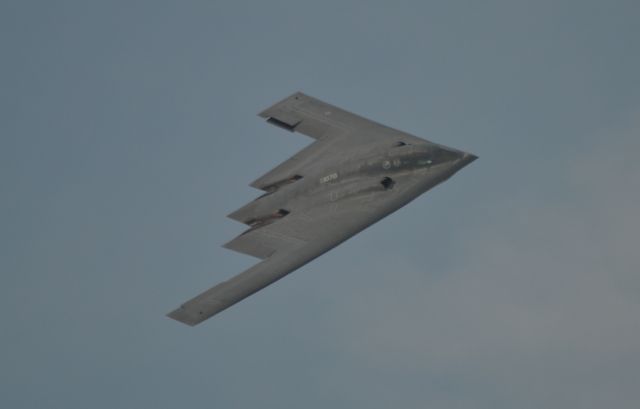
<point>128,131</point>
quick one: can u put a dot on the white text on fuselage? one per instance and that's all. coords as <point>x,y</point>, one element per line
<point>329,178</point>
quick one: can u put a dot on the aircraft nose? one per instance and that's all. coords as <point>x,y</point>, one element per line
<point>467,158</point>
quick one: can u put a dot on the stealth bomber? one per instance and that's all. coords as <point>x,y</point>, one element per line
<point>355,173</point>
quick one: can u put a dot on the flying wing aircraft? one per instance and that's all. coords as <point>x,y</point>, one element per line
<point>355,173</point>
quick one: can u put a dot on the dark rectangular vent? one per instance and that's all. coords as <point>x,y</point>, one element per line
<point>283,125</point>
<point>258,222</point>
<point>277,185</point>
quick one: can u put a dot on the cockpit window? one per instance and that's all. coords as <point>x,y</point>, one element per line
<point>399,143</point>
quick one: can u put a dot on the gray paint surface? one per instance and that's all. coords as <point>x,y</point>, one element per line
<point>354,174</point>
<point>128,128</point>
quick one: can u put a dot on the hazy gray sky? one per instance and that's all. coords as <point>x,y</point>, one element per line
<point>128,131</point>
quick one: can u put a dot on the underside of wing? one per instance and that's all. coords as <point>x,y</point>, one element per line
<point>317,119</point>
<point>310,116</point>
<point>227,293</point>
<point>291,241</point>
<point>336,131</point>
<point>284,246</point>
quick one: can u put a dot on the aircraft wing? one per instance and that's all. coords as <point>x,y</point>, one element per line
<point>292,241</point>
<point>319,120</point>
<point>335,130</point>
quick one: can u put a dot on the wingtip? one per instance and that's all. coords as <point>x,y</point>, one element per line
<point>267,113</point>
<point>182,315</point>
